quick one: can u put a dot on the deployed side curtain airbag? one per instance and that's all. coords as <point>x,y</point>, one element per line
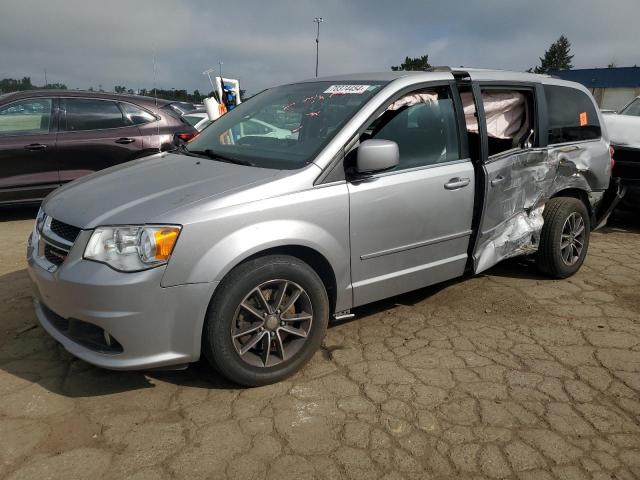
<point>414,99</point>
<point>505,113</point>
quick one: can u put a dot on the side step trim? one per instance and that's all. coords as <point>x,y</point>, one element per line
<point>343,315</point>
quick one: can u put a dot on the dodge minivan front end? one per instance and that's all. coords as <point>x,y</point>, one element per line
<point>98,292</point>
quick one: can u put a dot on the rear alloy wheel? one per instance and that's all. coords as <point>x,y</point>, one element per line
<point>266,320</point>
<point>564,239</point>
<point>572,239</point>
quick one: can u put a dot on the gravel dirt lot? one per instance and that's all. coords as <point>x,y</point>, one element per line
<point>504,375</point>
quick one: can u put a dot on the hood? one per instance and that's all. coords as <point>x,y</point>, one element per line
<point>140,191</point>
<point>624,130</point>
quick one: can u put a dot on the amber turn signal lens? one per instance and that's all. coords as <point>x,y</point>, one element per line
<point>165,241</point>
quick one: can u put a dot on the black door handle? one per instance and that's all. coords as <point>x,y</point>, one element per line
<point>125,140</point>
<point>35,147</point>
<point>496,181</point>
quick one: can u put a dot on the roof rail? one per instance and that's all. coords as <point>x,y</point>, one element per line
<point>442,68</point>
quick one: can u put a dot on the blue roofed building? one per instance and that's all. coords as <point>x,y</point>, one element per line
<point>612,87</point>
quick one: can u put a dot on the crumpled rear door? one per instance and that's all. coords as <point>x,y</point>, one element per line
<point>512,214</point>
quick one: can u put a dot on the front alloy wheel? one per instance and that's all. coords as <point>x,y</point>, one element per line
<point>272,323</point>
<point>266,320</point>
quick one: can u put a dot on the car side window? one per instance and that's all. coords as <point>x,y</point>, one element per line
<point>572,115</point>
<point>632,109</point>
<point>135,115</point>
<point>26,117</point>
<point>90,114</point>
<point>423,124</point>
<point>251,127</point>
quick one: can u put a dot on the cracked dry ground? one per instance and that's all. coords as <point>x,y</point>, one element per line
<point>505,375</point>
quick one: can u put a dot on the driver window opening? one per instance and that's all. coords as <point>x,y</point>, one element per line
<point>423,124</point>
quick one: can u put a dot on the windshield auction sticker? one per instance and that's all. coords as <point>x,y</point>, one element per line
<point>347,89</point>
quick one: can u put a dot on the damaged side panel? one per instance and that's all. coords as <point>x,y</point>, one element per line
<point>518,186</point>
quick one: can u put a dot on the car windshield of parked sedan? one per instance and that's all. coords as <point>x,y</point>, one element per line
<point>632,109</point>
<point>284,127</point>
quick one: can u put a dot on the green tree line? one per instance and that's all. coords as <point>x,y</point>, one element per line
<point>176,94</point>
<point>19,84</point>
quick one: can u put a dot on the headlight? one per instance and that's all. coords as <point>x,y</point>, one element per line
<point>40,218</point>
<point>131,248</point>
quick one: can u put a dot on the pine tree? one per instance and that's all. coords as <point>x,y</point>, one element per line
<point>417,63</point>
<point>557,57</point>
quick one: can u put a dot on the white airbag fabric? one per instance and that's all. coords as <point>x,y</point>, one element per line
<point>505,113</point>
<point>413,99</point>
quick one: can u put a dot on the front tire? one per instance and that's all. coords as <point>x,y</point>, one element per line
<point>266,320</point>
<point>564,239</point>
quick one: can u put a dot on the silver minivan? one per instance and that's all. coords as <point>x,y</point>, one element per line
<point>242,245</point>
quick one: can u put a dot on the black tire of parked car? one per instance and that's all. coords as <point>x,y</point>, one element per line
<point>557,213</point>
<point>217,342</point>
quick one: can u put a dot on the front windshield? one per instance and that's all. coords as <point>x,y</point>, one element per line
<point>284,127</point>
<point>632,109</point>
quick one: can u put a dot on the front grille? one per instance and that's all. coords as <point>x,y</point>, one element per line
<point>64,230</point>
<point>627,164</point>
<point>56,240</point>
<point>86,334</point>
<point>54,255</point>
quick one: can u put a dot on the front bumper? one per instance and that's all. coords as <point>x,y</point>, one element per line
<point>155,326</point>
<point>612,197</point>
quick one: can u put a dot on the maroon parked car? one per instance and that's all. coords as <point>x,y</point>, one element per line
<point>51,137</point>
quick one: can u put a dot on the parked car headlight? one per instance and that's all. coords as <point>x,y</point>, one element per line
<point>131,248</point>
<point>40,218</point>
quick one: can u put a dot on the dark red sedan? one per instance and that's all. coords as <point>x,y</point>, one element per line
<point>48,138</point>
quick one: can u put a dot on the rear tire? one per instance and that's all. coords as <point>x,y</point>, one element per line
<point>564,239</point>
<point>281,304</point>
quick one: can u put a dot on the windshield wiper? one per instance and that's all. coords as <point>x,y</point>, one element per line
<point>219,156</point>
<point>182,149</point>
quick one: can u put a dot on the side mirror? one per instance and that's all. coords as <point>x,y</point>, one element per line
<point>377,156</point>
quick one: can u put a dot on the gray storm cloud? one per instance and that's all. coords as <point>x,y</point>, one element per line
<point>90,43</point>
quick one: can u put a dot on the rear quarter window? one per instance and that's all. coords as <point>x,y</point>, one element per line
<point>169,113</point>
<point>136,115</point>
<point>572,115</point>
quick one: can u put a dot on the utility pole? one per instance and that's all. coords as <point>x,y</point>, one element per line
<point>45,77</point>
<point>317,20</point>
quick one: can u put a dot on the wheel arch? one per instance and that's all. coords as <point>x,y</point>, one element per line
<point>312,257</point>
<point>579,194</point>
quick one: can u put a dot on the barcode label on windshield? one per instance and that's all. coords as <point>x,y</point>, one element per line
<point>347,89</point>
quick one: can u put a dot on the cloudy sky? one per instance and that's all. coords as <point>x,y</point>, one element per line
<point>85,43</point>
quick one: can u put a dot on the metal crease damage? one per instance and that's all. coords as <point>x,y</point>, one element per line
<point>534,178</point>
